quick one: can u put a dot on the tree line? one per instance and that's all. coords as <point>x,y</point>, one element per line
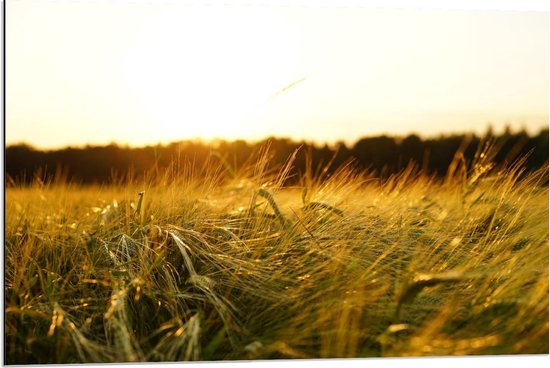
<point>382,155</point>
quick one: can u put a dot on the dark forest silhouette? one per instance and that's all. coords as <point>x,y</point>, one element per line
<point>382,155</point>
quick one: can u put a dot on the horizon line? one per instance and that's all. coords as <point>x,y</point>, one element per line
<point>314,142</point>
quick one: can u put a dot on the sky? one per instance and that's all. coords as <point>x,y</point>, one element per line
<point>148,72</point>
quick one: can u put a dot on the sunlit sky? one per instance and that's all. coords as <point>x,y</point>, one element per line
<point>147,72</point>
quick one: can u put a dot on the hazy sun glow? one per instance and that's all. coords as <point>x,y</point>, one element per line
<point>143,73</point>
<point>201,71</point>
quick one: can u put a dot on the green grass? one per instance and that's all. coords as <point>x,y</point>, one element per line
<point>213,264</point>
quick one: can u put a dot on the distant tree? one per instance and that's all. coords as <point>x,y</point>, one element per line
<point>412,150</point>
<point>379,153</point>
<point>383,154</point>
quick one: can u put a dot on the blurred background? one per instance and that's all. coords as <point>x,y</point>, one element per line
<point>98,87</point>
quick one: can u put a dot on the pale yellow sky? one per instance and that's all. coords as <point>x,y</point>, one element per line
<point>149,72</point>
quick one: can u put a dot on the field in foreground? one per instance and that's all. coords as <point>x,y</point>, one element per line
<point>218,264</point>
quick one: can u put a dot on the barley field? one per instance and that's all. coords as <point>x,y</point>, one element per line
<point>224,263</point>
